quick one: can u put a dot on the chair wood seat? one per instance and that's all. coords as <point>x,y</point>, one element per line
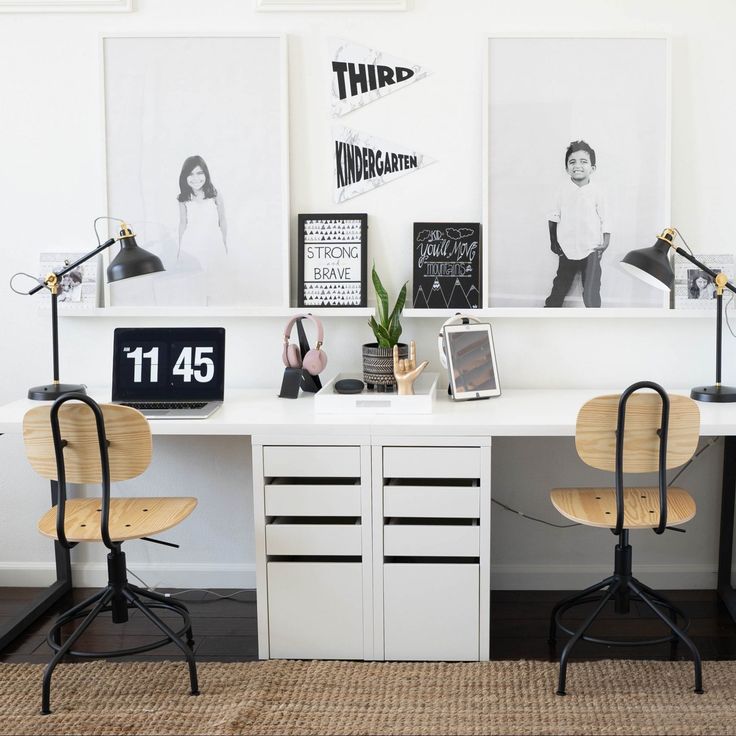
<point>597,506</point>
<point>130,518</point>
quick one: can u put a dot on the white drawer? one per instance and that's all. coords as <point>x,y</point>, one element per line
<point>305,461</point>
<point>431,462</point>
<point>432,540</point>
<point>312,500</point>
<point>315,610</point>
<point>431,611</point>
<point>313,539</point>
<point>427,501</point>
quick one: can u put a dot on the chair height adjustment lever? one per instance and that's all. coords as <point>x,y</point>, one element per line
<point>160,541</point>
<point>675,529</point>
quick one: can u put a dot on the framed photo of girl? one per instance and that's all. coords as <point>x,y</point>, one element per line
<point>196,135</point>
<point>576,167</point>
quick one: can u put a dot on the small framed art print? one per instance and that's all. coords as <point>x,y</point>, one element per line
<point>447,265</point>
<point>332,260</point>
<point>695,289</point>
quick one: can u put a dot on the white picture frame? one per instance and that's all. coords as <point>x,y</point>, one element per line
<point>695,289</point>
<point>66,6</point>
<point>229,248</point>
<point>542,93</point>
<point>78,288</point>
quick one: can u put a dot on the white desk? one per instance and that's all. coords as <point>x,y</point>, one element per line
<point>518,413</point>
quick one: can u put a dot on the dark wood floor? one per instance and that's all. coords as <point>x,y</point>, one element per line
<point>225,629</point>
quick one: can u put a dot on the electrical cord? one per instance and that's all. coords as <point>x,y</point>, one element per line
<point>35,280</point>
<point>567,526</point>
<point>217,596</point>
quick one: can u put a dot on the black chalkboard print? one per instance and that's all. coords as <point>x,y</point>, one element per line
<point>447,267</point>
<point>332,260</point>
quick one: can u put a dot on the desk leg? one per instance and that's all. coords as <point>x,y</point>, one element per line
<point>726,591</point>
<point>45,600</point>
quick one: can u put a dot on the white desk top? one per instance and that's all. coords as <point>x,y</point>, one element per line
<point>517,413</point>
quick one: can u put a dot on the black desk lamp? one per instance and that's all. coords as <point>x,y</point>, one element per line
<point>652,265</point>
<point>132,260</point>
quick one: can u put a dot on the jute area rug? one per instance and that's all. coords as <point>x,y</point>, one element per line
<point>280,697</point>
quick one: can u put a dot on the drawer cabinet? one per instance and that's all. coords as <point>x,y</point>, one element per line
<point>373,548</point>
<point>313,550</point>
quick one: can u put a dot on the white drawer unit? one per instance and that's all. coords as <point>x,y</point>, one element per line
<point>432,562</point>
<point>373,547</point>
<point>315,610</point>
<point>431,612</point>
<point>314,556</point>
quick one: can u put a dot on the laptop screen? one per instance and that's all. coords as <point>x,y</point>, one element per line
<point>168,364</point>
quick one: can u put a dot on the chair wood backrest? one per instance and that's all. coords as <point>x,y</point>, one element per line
<point>595,432</point>
<point>129,442</point>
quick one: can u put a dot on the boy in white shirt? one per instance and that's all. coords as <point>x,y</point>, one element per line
<point>578,229</point>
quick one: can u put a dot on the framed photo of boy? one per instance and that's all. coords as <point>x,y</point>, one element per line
<point>333,263</point>
<point>197,164</point>
<point>576,167</point>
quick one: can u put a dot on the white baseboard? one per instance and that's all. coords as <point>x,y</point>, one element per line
<point>577,577</point>
<point>237,576</point>
<point>94,575</point>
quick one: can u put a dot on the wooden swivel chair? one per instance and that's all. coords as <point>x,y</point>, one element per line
<point>83,442</point>
<point>639,433</point>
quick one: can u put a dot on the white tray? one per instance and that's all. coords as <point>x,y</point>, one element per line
<point>327,401</point>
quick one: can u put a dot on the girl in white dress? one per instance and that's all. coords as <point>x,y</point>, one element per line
<point>202,226</point>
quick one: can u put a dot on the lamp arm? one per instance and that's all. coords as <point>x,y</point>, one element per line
<point>76,263</point>
<point>687,256</point>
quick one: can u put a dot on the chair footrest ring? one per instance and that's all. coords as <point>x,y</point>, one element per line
<point>63,620</point>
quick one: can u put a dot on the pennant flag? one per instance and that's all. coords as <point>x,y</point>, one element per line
<point>359,75</point>
<point>364,162</point>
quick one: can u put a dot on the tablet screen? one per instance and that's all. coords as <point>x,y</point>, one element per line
<point>472,361</point>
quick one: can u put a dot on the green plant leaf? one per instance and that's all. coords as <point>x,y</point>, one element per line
<point>396,330</point>
<point>374,327</point>
<point>399,306</point>
<point>382,297</point>
<point>384,338</point>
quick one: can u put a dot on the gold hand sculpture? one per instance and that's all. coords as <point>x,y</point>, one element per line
<point>406,370</point>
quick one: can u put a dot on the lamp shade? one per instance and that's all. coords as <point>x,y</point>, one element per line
<point>651,265</point>
<point>132,260</point>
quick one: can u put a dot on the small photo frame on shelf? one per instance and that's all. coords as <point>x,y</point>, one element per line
<point>332,260</point>
<point>695,289</point>
<point>78,288</point>
<point>447,265</point>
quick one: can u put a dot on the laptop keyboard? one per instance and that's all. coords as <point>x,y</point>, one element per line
<point>164,404</point>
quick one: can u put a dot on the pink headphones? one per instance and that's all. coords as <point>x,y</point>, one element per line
<point>315,361</point>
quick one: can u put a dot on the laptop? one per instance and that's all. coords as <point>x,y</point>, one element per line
<point>169,372</point>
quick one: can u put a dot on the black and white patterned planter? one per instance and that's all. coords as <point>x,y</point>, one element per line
<point>378,366</point>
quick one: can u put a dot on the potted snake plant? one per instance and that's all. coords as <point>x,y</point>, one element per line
<point>378,363</point>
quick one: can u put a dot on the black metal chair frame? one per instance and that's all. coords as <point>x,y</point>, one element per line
<point>119,595</point>
<point>622,587</point>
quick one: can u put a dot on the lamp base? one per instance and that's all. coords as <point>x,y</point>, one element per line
<point>54,390</point>
<point>717,393</point>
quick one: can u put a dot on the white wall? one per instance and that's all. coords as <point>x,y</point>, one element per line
<point>52,187</point>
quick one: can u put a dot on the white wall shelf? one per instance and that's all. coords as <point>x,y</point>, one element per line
<point>216,312</point>
<point>363,312</point>
<point>581,313</point>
